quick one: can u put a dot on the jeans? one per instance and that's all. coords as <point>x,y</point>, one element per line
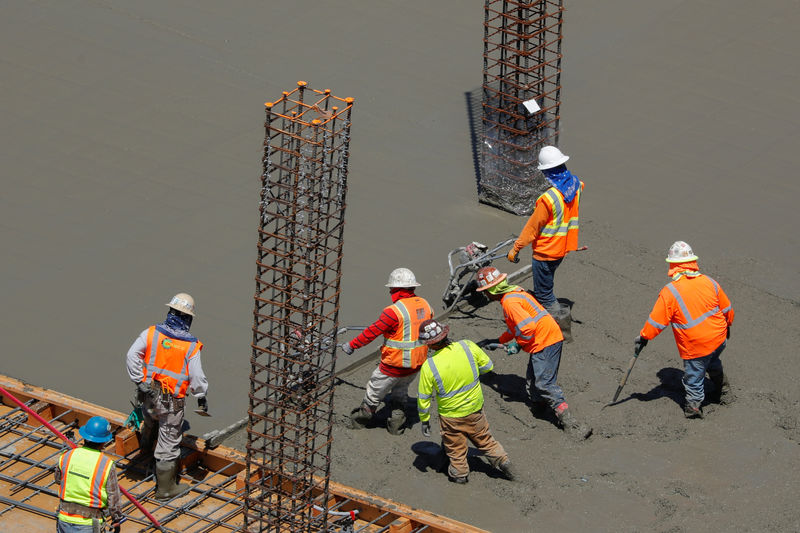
<point>66,527</point>
<point>694,374</point>
<point>543,272</point>
<point>542,375</point>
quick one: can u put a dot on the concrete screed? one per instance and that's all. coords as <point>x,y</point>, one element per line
<point>131,159</point>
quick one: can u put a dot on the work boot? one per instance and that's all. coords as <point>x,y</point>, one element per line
<point>570,424</point>
<point>463,480</point>
<point>563,317</point>
<point>396,422</point>
<point>507,469</point>
<point>167,486</point>
<point>692,410</point>
<point>361,416</point>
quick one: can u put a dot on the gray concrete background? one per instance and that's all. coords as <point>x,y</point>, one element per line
<point>131,146</point>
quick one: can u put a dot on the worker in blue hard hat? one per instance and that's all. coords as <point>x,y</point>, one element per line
<point>89,490</point>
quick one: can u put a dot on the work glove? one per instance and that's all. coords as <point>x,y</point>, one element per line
<point>639,343</point>
<point>202,403</point>
<point>486,342</point>
<point>512,347</point>
<point>728,333</point>
<point>512,255</point>
<point>142,391</point>
<point>426,429</point>
<point>346,348</point>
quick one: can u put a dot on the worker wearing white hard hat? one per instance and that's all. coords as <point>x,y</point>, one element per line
<point>701,316</point>
<point>552,229</point>
<point>402,354</point>
<point>164,363</point>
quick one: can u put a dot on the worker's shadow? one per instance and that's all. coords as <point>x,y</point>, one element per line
<point>671,387</point>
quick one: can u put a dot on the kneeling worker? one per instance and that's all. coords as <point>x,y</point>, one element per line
<point>89,489</point>
<point>451,376</point>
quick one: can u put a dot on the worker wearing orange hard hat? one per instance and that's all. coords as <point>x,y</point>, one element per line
<point>701,315</point>
<point>536,332</point>
<point>552,229</point>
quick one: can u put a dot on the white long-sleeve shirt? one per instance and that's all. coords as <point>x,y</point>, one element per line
<point>198,384</point>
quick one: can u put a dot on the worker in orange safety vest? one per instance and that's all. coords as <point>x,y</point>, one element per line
<point>164,363</point>
<point>402,353</point>
<point>552,230</point>
<point>701,315</point>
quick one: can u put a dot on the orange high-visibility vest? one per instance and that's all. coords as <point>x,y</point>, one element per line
<point>528,322</point>
<point>402,348</point>
<point>699,312</point>
<point>560,235</point>
<point>84,473</point>
<point>166,360</point>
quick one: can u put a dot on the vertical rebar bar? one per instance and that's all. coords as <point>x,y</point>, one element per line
<point>521,62</point>
<point>295,317</point>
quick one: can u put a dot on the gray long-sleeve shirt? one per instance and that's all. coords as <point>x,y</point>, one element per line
<point>198,384</point>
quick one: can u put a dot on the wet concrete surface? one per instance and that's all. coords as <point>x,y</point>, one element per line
<point>131,148</point>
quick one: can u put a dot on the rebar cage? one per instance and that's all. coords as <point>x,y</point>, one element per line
<point>295,318</point>
<point>521,62</point>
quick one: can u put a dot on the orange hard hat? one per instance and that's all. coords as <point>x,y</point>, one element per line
<point>488,277</point>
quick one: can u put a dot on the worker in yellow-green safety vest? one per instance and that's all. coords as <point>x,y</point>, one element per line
<point>89,491</point>
<point>451,376</point>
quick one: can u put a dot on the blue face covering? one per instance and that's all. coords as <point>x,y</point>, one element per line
<point>563,180</point>
<point>177,326</point>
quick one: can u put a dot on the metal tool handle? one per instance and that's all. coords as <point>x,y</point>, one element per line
<point>627,374</point>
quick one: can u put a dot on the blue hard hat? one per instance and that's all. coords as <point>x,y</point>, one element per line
<point>96,429</point>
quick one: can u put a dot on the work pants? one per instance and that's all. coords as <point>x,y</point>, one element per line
<point>391,388</point>
<point>543,273</point>
<point>694,374</point>
<point>167,413</point>
<point>542,375</point>
<point>456,432</point>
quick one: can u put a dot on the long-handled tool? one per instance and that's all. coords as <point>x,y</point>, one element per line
<point>624,379</point>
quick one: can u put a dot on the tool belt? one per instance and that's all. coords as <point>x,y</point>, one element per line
<point>83,510</point>
<point>165,397</point>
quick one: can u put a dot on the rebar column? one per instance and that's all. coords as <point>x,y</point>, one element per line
<point>521,62</point>
<point>295,318</point>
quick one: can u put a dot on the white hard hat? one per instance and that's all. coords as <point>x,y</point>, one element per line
<point>550,157</point>
<point>402,277</point>
<point>680,252</point>
<point>182,303</point>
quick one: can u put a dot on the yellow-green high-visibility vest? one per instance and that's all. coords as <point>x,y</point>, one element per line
<point>84,473</point>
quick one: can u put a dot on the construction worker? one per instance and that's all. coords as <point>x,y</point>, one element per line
<point>552,229</point>
<point>451,375</point>
<point>401,354</point>
<point>701,316</point>
<point>89,491</point>
<point>164,362</point>
<point>532,328</point>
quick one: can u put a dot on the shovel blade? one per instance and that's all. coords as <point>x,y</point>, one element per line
<point>201,412</point>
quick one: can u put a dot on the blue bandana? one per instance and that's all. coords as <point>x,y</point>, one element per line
<point>177,327</point>
<point>563,180</point>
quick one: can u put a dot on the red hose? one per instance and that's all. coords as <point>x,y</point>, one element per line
<point>63,437</point>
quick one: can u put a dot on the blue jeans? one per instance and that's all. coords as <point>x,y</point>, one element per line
<point>542,375</point>
<point>66,527</point>
<point>543,272</point>
<point>694,374</point>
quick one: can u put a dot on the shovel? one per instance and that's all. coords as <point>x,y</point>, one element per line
<point>627,374</point>
<point>201,412</point>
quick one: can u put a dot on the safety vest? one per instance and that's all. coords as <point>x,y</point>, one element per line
<point>402,348</point>
<point>166,360</point>
<point>560,235</point>
<point>528,322</point>
<point>699,312</point>
<point>84,473</point>
<point>452,377</point>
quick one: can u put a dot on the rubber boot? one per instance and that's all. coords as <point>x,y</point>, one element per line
<point>395,425</point>
<point>562,314</point>
<point>504,466</point>
<point>722,387</point>
<point>361,416</point>
<point>570,424</point>
<point>148,434</point>
<point>692,410</point>
<point>167,486</point>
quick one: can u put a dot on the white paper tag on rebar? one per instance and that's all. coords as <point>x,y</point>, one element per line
<point>531,105</point>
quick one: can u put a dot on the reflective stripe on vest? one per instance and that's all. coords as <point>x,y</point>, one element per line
<point>690,320</point>
<point>407,344</point>
<point>540,312</point>
<point>155,338</point>
<point>558,226</point>
<point>84,473</point>
<point>465,388</point>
